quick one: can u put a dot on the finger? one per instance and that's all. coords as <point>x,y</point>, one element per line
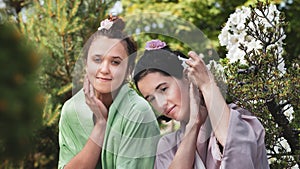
<point>86,85</point>
<point>87,90</point>
<point>189,63</point>
<point>102,108</point>
<point>190,77</point>
<point>197,58</point>
<point>91,90</point>
<point>191,72</point>
<point>193,55</point>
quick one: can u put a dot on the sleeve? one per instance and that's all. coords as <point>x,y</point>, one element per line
<point>66,146</point>
<point>245,147</point>
<point>164,155</point>
<point>137,147</point>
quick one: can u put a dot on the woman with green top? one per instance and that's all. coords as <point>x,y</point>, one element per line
<point>106,124</point>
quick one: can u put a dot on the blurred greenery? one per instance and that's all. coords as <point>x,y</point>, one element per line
<point>21,102</point>
<point>57,31</point>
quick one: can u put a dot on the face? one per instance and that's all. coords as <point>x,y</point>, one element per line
<point>166,94</point>
<point>106,64</point>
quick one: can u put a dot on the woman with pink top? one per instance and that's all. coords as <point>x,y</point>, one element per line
<point>212,133</point>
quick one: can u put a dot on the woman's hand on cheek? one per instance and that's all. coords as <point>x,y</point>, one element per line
<point>99,113</point>
<point>95,104</point>
<point>197,71</point>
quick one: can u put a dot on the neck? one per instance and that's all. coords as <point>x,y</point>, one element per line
<point>107,98</point>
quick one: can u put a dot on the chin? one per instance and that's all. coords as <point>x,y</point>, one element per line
<point>103,90</point>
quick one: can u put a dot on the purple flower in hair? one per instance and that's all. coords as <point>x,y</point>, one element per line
<point>155,44</point>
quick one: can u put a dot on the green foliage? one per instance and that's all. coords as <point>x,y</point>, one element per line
<point>292,13</point>
<point>21,101</point>
<point>59,29</point>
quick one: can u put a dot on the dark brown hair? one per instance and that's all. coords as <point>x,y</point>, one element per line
<point>164,61</point>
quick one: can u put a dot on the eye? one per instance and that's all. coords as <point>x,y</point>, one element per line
<point>116,61</point>
<point>97,59</point>
<point>163,89</point>
<point>150,99</point>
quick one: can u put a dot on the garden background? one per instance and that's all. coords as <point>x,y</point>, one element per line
<point>41,40</point>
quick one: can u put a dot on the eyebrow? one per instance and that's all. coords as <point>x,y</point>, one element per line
<point>117,57</point>
<point>157,87</point>
<point>114,57</point>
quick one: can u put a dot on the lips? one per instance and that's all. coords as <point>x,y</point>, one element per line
<point>168,111</point>
<point>105,79</point>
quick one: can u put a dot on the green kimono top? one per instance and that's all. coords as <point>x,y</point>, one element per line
<point>131,135</point>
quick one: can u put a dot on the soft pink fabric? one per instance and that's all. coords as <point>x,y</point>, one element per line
<point>244,148</point>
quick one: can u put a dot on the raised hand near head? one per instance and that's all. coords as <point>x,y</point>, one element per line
<point>198,111</point>
<point>197,71</point>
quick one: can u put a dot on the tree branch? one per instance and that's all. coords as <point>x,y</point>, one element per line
<point>289,133</point>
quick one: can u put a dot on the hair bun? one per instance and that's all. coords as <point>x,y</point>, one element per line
<point>118,25</point>
<point>112,27</point>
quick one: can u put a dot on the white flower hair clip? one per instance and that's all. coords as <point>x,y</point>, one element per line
<point>183,64</point>
<point>106,24</point>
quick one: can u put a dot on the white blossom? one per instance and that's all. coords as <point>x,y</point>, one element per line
<point>215,65</point>
<point>254,45</point>
<point>281,65</point>
<point>234,33</point>
<point>223,37</point>
<point>234,54</point>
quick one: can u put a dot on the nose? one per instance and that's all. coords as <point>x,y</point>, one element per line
<point>104,67</point>
<point>161,102</point>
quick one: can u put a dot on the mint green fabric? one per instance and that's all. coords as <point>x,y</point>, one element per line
<point>75,126</point>
<point>131,135</point>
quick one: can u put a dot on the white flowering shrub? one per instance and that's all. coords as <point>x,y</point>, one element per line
<point>257,79</point>
<point>248,33</point>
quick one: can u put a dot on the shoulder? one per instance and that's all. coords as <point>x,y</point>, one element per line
<point>242,117</point>
<point>137,100</point>
<point>241,110</point>
<point>69,106</point>
<point>137,106</point>
<point>169,142</point>
<point>74,107</point>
